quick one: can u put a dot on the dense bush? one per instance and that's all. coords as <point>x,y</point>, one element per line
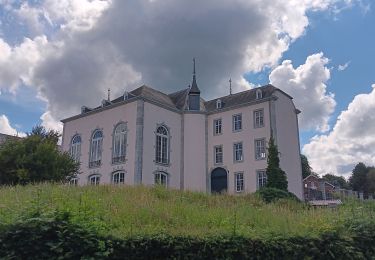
<point>57,237</point>
<point>272,194</point>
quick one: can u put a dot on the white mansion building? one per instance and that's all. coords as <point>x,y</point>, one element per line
<point>184,142</point>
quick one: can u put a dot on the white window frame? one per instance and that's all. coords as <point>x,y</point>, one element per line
<point>162,145</point>
<point>260,149</point>
<point>96,147</point>
<point>261,178</point>
<point>73,181</point>
<point>238,151</point>
<point>219,104</point>
<point>218,126</point>
<point>258,118</point>
<point>75,148</point>
<point>259,94</point>
<point>237,122</point>
<point>119,143</point>
<point>94,179</point>
<point>218,154</point>
<point>239,182</point>
<point>118,177</point>
<point>161,178</point>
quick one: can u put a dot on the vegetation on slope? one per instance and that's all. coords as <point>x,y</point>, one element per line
<point>122,211</point>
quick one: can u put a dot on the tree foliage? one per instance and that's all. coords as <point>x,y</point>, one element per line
<point>276,177</point>
<point>306,168</point>
<point>338,181</point>
<point>35,158</point>
<point>358,180</point>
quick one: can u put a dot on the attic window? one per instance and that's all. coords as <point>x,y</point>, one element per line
<point>105,103</point>
<point>218,104</point>
<point>259,94</point>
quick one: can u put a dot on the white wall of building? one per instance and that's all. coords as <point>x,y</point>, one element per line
<point>105,120</point>
<point>153,116</point>
<point>288,142</point>
<point>195,152</point>
<point>247,136</point>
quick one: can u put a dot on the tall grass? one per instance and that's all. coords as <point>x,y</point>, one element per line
<point>123,211</point>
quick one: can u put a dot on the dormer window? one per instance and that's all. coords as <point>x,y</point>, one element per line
<point>259,94</point>
<point>126,95</point>
<point>219,104</point>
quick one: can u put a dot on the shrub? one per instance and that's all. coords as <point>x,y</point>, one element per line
<point>273,194</point>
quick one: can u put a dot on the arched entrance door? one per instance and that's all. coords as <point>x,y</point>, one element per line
<point>219,180</point>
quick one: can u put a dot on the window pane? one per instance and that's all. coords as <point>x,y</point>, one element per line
<point>239,182</point>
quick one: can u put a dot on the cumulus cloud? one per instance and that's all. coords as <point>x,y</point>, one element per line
<point>6,128</point>
<point>307,83</point>
<point>121,44</point>
<point>17,63</point>
<point>351,140</point>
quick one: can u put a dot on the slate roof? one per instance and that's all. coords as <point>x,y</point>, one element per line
<point>179,100</point>
<point>239,98</point>
<point>5,137</point>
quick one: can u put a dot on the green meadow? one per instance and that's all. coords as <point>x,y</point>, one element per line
<point>124,211</point>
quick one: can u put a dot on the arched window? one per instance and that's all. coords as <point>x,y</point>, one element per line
<point>75,148</point>
<point>161,178</point>
<point>96,149</point>
<point>119,143</point>
<point>94,179</point>
<point>162,145</point>
<point>118,178</point>
<point>259,94</point>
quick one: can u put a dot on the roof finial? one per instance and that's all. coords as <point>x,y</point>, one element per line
<point>230,86</point>
<point>109,95</point>
<point>194,67</point>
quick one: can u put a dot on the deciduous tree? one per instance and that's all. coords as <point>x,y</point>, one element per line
<point>35,158</point>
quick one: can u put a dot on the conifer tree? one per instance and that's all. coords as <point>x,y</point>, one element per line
<point>276,177</point>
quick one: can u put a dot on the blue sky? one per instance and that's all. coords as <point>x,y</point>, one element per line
<point>55,57</point>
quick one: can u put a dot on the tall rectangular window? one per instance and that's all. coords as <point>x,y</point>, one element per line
<point>237,152</point>
<point>258,118</point>
<point>237,122</point>
<point>260,149</point>
<point>261,178</point>
<point>218,150</point>
<point>239,182</point>
<point>162,145</point>
<point>217,126</point>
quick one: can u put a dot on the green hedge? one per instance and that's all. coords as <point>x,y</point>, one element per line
<point>43,238</point>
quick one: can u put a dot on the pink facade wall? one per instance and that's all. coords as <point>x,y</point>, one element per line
<point>154,116</point>
<point>288,142</point>
<point>247,136</point>
<point>105,120</point>
<point>195,152</point>
<point>191,147</point>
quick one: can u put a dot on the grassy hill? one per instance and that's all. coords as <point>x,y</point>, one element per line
<point>123,211</point>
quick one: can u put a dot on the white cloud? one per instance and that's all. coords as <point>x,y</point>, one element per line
<point>6,128</point>
<point>96,44</point>
<point>351,140</point>
<point>50,123</point>
<point>307,83</point>
<point>17,63</point>
<point>343,66</point>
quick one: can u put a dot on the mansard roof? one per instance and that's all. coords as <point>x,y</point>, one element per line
<point>240,98</point>
<point>178,100</point>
